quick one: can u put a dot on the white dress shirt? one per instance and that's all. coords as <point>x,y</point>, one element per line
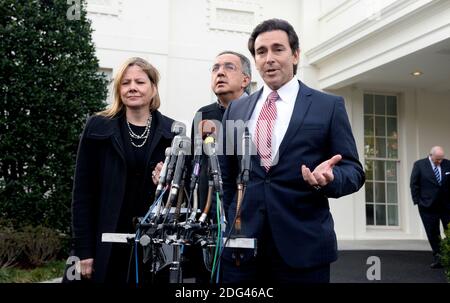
<point>285,106</point>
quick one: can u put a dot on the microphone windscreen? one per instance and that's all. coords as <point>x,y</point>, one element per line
<point>178,128</point>
<point>209,140</point>
<point>206,128</point>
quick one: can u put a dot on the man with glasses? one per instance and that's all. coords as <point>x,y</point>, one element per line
<point>230,79</point>
<point>430,191</point>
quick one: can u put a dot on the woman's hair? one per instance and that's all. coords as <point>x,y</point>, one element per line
<point>152,73</point>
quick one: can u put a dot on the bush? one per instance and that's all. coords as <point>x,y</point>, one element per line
<point>11,247</point>
<point>29,247</point>
<point>41,245</point>
<point>49,84</point>
<point>445,252</point>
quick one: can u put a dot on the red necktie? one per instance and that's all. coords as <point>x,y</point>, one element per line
<point>264,128</point>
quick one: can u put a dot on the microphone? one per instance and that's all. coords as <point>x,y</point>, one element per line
<point>198,143</point>
<point>175,147</point>
<point>178,128</point>
<point>207,128</point>
<point>246,157</point>
<point>210,150</point>
<point>184,149</point>
<point>163,174</point>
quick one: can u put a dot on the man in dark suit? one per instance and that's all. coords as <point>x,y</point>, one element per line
<point>305,153</point>
<point>430,191</point>
<point>230,78</point>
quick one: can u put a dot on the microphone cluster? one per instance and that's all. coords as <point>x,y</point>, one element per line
<point>175,217</point>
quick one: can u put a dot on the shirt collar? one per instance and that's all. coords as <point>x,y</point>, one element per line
<point>287,93</point>
<point>432,164</point>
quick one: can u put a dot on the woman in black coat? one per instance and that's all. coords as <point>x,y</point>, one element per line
<point>118,150</point>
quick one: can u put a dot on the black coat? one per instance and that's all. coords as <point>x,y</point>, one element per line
<point>100,180</point>
<point>425,189</point>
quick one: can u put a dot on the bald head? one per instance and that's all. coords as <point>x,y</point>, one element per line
<point>437,155</point>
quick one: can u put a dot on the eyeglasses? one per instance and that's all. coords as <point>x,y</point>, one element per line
<point>228,66</point>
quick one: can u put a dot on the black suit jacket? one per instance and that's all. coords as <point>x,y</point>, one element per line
<point>425,189</point>
<point>299,218</point>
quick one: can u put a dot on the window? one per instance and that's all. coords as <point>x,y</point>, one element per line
<point>381,159</point>
<point>108,74</point>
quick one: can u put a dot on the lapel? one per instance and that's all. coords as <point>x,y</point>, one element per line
<point>251,104</point>
<point>302,104</point>
<point>110,128</point>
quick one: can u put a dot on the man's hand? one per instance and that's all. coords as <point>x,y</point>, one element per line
<point>156,172</point>
<point>86,268</point>
<point>323,174</point>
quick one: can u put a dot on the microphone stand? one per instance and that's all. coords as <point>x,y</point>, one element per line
<point>242,181</point>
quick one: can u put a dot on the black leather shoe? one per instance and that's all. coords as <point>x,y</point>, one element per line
<point>436,264</point>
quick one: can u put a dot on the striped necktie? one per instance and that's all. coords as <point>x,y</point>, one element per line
<point>437,174</point>
<point>264,128</point>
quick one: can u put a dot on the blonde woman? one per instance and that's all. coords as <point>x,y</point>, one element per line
<point>118,150</point>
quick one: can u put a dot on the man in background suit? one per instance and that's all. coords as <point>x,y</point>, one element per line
<point>430,191</point>
<point>306,153</point>
<point>230,79</point>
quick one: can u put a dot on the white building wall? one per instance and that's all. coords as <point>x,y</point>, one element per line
<point>182,37</point>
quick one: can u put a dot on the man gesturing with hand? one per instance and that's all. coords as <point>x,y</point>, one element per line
<point>305,153</point>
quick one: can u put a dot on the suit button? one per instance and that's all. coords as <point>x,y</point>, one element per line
<point>267,180</point>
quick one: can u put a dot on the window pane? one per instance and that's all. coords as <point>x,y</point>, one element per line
<point>380,193</point>
<point>369,147</point>
<point>392,152</point>
<point>369,191</point>
<point>368,126</point>
<point>391,105</point>
<point>393,215</point>
<point>369,169</point>
<point>392,193</point>
<point>369,214</point>
<point>391,171</point>
<point>380,214</point>
<point>380,105</point>
<point>380,126</point>
<point>391,127</point>
<point>379,170</point>
<point>380,148</point>
<point>368,104</point>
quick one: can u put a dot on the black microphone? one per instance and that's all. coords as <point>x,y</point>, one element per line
<point>210,150</point>
<point>246,157</point>
<point>184,150</point>
<point>175,147</point>
<point>163,174</point>
<point>198,149</point>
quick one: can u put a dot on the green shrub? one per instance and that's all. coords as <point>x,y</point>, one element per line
<point>29,247</point>
<point>11,247</point>
<point>49,84</point>
<point>445,252</point>
<point>41,245</point>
